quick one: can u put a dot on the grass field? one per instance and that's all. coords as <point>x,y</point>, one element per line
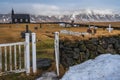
<point>45,38</point>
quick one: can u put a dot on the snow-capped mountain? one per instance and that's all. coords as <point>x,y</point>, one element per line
<point>5,18</point>
<point>82,15</point>
<point>96,15</point>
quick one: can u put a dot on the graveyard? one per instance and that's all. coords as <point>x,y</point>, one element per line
<point>45,41</point>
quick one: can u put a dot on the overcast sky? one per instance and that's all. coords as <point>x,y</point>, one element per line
<point>55,6</point>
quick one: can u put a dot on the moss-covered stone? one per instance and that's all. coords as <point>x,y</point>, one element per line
<point>80,51</point>
<point>82,47</point>
<point>100,49</point>
<point>91,47</point>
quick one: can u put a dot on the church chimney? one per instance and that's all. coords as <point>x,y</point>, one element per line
<point>12,11</point>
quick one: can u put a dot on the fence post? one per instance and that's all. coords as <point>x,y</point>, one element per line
<point>0,59</point>
<point>34,53</point>
<point>56,43</point>
<point>27,52</point>
<point>5,58</point>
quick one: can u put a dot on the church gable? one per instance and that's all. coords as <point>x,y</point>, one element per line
<point>20,18</point>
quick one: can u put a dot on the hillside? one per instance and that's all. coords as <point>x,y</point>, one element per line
<point>82,15</point>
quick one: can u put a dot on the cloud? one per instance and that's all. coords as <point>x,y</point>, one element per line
<point>34,8</point>
<point>47,9</point>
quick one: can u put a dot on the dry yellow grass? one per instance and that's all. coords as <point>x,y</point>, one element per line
<point>11,32</point>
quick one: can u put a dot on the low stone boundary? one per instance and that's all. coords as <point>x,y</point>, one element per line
<point>74,52</point>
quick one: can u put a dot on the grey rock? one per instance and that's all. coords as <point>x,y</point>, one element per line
<point>68,52</point>
<point>61,46</point>
<point>73,44</point>
<point>94,41</point>
<point>77,50</point>
<point>82,48</point>
<point>44,63</point>
<point>67,49</point>
<point>116,46</point>
<point>112,40</point>
<point>110,50</point>
<point>76,55</point>
<point>91,47</point>
<point>104,43</point>
<point>100,49</point>
<point>110,46</point>
<point>70,62</point>
<point>48,76</point>
<point>80,42</point>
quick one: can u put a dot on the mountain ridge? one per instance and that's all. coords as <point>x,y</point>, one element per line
<point>83,15</point>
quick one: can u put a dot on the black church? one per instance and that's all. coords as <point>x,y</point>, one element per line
<point>20,18</point>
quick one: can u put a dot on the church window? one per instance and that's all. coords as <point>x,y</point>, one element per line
<point>15,20</point>
<point>21,20</point>
<point>26,20</point>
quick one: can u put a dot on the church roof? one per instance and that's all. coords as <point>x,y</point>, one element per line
<point>19,16</point>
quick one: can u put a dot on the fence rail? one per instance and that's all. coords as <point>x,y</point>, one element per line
<point>12,44</point>
<point>8,57</point>
<point>15,57</point>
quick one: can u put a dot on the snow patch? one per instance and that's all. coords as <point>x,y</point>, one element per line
<point>103,67</point>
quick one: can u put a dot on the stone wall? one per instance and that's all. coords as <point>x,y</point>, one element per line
<point>74,52</point>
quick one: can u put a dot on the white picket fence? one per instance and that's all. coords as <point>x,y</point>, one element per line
<point>15,57</point>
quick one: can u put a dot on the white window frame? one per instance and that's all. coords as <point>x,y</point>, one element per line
<point>21,20</point>
<point>15,20</point>
<point>26,20</point>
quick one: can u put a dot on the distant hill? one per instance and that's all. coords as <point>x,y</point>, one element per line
<point>83,15</point>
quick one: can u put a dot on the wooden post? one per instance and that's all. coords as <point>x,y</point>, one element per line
<point>10,51</point>
<point>27,29</point>
<point>27,57</point>
<point>15,63</point>
<point>5,58</point>
<point>34,53</point>
<point>19,56</point>
<point>0,59</point>
<point>40,25</point>
<point>57,51</point>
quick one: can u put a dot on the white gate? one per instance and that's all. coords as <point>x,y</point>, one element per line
<point>56,43</point>
<point>15,57</point>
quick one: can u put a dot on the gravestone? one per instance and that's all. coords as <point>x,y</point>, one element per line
<point>44,63</point>
<point>73,33</point>
<point>40,25</point>
<point>26,31</point>
<point>36,28</point>
<point>9,26</point>
<point>110,29</point>
<point>72,23</point>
